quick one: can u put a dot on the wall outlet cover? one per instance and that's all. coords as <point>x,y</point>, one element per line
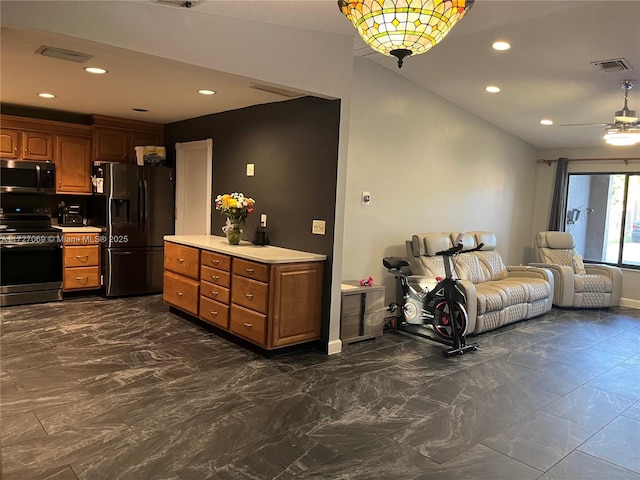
<point>318,227</point>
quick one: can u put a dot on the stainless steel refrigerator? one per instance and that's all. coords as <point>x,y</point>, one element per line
<point>139,204</point>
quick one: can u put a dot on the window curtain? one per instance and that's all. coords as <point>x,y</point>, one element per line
<point>558,213</point>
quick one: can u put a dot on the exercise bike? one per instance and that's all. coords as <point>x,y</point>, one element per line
<point>438,314</point>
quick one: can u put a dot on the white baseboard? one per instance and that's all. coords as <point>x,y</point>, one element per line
<point>629,302</point>
<point>334,346</point>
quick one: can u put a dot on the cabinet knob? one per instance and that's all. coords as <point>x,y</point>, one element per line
<point>215,314</point>
<point>215,294</point>
<point>215,277</point>
<point>249,296</point>
<point>249,270</point>
<point>248,325</point>
<point>181,260</point>
<point>179,294</point>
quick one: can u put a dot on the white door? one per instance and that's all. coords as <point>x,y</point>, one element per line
<point>193,187</point>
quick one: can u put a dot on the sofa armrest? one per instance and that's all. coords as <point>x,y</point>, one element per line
<point>614,273</point>
<point>564,283</point>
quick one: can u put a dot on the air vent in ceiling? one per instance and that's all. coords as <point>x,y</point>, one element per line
<point>614,65</point>
<point>277,91</point>
<point>63,54</point>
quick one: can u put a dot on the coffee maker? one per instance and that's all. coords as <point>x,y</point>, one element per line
<point>69,215</point>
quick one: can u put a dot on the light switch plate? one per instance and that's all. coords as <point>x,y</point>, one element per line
<point>318,227</point>
<point>250,169</point>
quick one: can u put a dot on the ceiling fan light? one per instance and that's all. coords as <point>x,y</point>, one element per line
<point>403,27</point>
<point>622,138</point>
<point>626,116</point>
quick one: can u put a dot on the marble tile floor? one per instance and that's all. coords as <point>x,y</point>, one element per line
<point>97,389</point>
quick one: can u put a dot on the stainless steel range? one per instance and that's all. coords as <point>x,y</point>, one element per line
<point>30,258</point>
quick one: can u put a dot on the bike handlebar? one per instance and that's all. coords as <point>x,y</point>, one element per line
<point>458,249</point>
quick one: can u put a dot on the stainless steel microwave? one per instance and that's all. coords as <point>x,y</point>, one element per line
<point>21,176</point>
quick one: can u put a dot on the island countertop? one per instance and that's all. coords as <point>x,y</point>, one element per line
<point>246,250</point>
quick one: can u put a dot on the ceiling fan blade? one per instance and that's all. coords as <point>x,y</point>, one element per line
<point>584,124</point>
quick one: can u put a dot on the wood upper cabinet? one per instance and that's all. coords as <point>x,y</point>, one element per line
<point>26,145</point>
<point>37,146</point>
<point>9,143</point>
<point>73,164</point>
<point>114,139</point>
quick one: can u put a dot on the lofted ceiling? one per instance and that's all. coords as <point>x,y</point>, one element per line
<point>548,72</point>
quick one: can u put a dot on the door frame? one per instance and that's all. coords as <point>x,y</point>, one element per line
<point>182,189</point>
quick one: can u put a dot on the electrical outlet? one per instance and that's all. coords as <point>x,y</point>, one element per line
<point>317,227</point>
<point>250,169</point>
<point>263,220</point>
<point>366,198</point>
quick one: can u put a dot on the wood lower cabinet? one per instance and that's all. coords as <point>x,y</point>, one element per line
<point>181,286</point>
<point>215,288</point>
<point>81,261</point>
<point>270,305</point>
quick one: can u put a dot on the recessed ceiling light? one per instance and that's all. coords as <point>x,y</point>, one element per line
<point>139,109</point>
<point>501,45</point>
<point>95,70</point>
<point>492,89</point>
<point>46,95</point>
<point>204,91</point>
<point>546,121</point>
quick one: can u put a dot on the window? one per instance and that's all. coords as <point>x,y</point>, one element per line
<point>603,215</point>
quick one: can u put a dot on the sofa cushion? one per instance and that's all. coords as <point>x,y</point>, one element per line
<point>429,243</point>
<point>469,267</point>
<point>559,240</point>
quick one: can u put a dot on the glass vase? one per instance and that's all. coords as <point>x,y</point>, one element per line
<point>234,233</point>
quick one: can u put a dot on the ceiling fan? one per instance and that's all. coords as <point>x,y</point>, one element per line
<point>625,129</point>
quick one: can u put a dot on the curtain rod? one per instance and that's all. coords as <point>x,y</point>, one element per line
<point>626,160</point>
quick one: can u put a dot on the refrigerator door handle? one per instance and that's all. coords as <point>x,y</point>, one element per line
<point>145,195</point>
<point>141,207</point>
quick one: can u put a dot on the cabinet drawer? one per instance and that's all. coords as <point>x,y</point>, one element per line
<point>181,292</point>
<point>79,239</point>
<point>250,293</point>
<point>213,275</point>
<point>216,260</point>
<point>248,324</point>
<point>352,304</point>
<point>81,256</point>
<point>81,278</point>
<point>245,268</point>
<point>214,312</point>
<point>214,292</point>
<point>182,260</point>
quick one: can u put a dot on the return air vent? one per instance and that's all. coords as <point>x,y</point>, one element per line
<point>63,54</point>
<point>277,91</point>
<point>615,65</point>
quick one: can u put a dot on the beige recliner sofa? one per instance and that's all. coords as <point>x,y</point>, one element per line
<point>496,294</point>
<point>576,284</point>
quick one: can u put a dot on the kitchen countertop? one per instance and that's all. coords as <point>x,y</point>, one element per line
<point>246,250</point>
<point>78,229</point>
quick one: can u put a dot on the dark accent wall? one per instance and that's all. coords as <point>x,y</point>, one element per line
<point>294,147</point>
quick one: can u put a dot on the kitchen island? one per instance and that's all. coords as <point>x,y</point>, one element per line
<point>269,296</point>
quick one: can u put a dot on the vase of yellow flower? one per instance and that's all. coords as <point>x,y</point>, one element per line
<point>236,207</point>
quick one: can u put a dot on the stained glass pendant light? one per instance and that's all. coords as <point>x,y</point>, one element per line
<point>404,27</point>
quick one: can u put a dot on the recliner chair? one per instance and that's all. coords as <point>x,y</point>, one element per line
<point>577,285</point>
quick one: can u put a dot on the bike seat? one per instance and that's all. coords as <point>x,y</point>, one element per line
<point>395,262</point>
